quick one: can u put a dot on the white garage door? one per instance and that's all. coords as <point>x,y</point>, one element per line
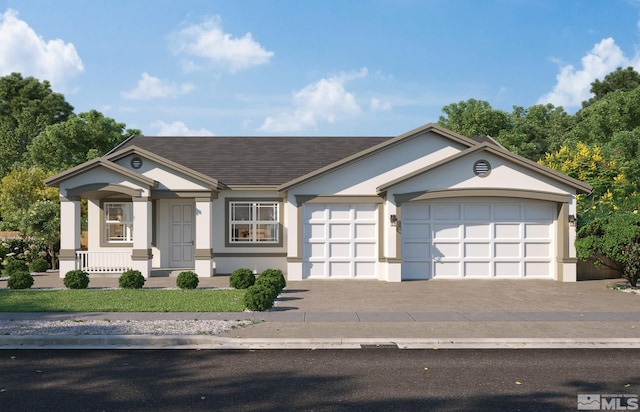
<point>480,239</point>
<point>340,241</point>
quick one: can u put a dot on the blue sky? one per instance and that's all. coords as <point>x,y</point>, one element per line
<point>333,67</point>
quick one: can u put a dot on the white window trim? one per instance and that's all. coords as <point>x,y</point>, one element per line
<point>254,222</point>
<point>127,222</point>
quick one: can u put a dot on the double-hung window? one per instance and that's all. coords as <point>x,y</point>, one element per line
<point>118,222</point>
<point>253,222</point>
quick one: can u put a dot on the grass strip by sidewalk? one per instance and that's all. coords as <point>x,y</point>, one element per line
<point>121,300</point>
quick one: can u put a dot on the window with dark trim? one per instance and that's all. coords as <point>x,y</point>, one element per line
<point>252,222</point>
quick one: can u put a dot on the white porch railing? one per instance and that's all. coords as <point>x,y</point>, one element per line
<point>103,262</point>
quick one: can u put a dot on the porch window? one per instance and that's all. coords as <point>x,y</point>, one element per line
<point>118,223</point>
<point>253,222</point>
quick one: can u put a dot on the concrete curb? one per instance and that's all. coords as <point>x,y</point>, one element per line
<point>216,342</point>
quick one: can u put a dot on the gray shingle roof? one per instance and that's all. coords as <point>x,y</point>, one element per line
<point>242,160</point>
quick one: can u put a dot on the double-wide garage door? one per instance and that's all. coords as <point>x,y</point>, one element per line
<point>340,241</point>
<point>481,238</point>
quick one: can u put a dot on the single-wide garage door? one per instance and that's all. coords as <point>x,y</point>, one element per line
<point>479,238</point>
<point>340,241</point>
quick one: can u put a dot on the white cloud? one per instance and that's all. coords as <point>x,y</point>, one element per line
<point>220,50</point>
<point>150,87</point>
<point>574,84</point>
<point>22,50</point>
<point>177,128</point>
<point>378,105</point>
<point>325,100</point>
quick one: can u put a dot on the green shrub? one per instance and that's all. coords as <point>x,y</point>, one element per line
<point>274,276</point>
<point>38,265</point>
<point>187,280</point>
<point>76,279</point>
<point>20,280</point>
<point>242,278</point>
<point>131,279</point>
<point>15,266</point>
<point>259,297</point>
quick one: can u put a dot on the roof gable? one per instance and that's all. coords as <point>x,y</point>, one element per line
<point>56,180</point>
<point>502,153</point>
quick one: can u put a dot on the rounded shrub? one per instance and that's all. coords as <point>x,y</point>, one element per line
<point>20,280</point>
<point>131,279</point>
<point>15,266</point>
<point>76,279</point>
<point>259,297</point>
<point>274,276</point>
<point>187,280</point>
<point>38,265</point>
<point>242,278</point>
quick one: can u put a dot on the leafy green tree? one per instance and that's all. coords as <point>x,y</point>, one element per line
<point>620,79</point>
<point>19,190</point>
<point>615,112</point>
<point>474,118</point>
<point>536,130</point>
<point>27,106</point>
<point>41,222</point>
<point>80,138</point>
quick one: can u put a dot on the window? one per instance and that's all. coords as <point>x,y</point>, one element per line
<point>118,222</point>
<point>253,222</point>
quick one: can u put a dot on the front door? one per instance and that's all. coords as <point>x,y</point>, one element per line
<point>182,215</point>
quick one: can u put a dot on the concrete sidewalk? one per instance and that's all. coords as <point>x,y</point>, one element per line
<point>517,313</point>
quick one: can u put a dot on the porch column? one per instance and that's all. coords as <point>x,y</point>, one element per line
<point>69,233</point>
<point>203,254</point>
<point>141,254</point>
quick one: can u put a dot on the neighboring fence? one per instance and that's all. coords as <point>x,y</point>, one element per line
<point>103,262</point>
<point>587,270</point>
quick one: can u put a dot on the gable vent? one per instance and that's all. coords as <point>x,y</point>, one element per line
<point>482,168</point>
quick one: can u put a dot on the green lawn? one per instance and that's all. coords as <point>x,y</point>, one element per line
<point>121,300</point>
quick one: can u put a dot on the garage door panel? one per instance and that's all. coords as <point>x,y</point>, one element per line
<point>537,250</point>
<point>365,231</point>
<point>507,269</point>
<point>416,231</point>
<point>416,270</point>
<point>365,250</point>
<point>503,213</point>
<point>477,269</point>
<point>445,212</point>
<point>537,269</point>
<point>340,240</point>
<point>446,231</point>
<point>507,250</point>
<point>446,250</point>
<point>446,269</point>
<point>477,231</point>
<point>339,250</point>
<point>538,212</point>
<point>413,250</point>
<point>536,231</point>
<point>507,231</point>
<point>501,238</point>
<point>472,250</point>
<point>477,212</point>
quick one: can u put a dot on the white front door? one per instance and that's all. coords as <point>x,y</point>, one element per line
<point>182,215</point>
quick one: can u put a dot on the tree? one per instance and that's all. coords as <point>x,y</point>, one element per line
<point>80,138</point>
<point>27,106</point>
<point>536,130</point>
<point>20,189</point>
<point>474,118</point>
<point>41,223</point>
<point>620,79</point>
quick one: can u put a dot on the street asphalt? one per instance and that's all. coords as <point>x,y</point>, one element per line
<point>319,314</point>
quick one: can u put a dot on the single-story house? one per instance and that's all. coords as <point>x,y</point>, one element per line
<point>426,204</point>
